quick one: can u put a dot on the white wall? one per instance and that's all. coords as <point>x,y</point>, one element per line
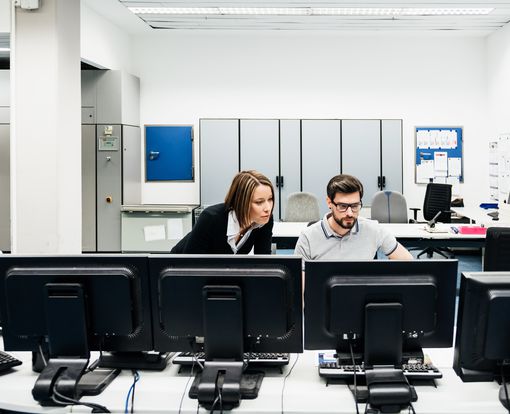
<point>5,16</point>
<point>102,43</point>
<point>498,63</point>
<point>436,80</point>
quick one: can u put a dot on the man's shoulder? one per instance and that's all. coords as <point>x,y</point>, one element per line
<point>314,228</point>
<point>368,223</point>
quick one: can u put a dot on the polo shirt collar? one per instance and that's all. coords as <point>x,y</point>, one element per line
<point>329,232</point>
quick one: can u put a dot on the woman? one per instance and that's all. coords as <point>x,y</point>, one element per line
<point>244,221</point>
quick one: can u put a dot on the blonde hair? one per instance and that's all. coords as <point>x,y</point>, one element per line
<point>241,191</point>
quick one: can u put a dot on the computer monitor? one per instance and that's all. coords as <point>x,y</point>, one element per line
<point>380,313</point>
<point>70,305</point>
<point>482,343</point>
<point>231,304</point>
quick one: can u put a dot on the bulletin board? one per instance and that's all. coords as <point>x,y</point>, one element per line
<point>439,155</point>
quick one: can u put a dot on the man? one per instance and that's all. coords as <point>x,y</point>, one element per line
<point>342,234</point>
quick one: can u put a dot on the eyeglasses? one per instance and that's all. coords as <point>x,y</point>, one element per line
<point>342,207</point>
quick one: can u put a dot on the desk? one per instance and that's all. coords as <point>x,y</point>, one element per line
<point>285,235</point>
<point>305,392</point>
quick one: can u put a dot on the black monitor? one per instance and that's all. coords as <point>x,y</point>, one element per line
<point>482,343</point>
<point>69,306</point>
<point>382,311</point>
<point>231,305</point>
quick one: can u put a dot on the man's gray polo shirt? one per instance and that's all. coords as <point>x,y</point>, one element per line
<point>319,241</point>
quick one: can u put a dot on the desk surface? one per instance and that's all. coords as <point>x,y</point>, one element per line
<point>399,230</point>
<point>304,392</point>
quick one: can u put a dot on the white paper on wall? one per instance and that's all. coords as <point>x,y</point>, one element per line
<point>153,233</point>
<point>454,167</point>
<point>174,228</point>
<point>425,171</point>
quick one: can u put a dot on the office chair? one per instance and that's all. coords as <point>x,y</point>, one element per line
<point>437,200</point>
<point>389,207</point>
<point>302,207</point>
<point>497,249</point>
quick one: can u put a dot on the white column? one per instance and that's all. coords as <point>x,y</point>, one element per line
<point>46,132</point>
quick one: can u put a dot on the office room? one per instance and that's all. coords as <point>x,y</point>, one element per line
<point>300,96</point>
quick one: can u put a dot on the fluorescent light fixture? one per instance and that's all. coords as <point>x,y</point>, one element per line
<point>5,49</point>
<point>313,11</point>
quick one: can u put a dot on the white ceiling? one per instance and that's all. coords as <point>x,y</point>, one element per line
<point>117,12</point>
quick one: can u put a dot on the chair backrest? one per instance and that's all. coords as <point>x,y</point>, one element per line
<point>302,207</point>
<point>497,249</point>
<point>438,197</point>
<point>389,207</point>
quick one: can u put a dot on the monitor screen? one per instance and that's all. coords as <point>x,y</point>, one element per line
<point>482,342</point>
<point>230,305</point>
<point>68,306</point>
<point>271,292</point>
<point>393,307</point>
<point>483,326</point>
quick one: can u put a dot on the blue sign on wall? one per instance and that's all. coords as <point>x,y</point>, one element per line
<point>169,152</point>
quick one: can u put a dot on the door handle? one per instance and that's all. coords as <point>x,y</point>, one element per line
<point>153,155</point>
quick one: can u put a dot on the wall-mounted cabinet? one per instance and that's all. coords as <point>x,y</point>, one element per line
<point>300,155</point>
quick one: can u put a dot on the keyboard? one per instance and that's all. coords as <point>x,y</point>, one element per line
<point>7,361</point>
<point>330,369</point>
<point>254,359</point>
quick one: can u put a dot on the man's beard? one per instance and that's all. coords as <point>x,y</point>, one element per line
<point>341,222</point>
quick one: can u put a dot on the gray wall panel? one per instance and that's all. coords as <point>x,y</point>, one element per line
<point>392,154</point>
<point>259,149</point>
<point>88,187</point>
<point>321,156</point>
<point>131,165</point>
<point>219,158</point>
<point>290,160</point>
<point>5,188</point>
<point>108,164</point>
<point>361,152</point>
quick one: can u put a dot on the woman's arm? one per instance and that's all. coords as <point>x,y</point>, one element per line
<point>263,238</point>
<point>200,237</point>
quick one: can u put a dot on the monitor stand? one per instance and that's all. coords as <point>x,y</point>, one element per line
<point>228,376</point>
<point>153,361</point>
<point>67,343</point>
<point>388,389</point>
<point>220,384</point>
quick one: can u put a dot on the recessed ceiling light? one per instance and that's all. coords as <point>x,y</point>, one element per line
<point>313,11</point>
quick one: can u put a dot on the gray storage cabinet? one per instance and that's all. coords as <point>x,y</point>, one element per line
<point>300,155</point>
<point>219,158</point>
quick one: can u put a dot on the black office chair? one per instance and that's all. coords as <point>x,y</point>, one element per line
<point>497,249</point>
<point>436,203</point>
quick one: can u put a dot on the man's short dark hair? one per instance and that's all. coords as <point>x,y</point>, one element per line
<point>345,184</point>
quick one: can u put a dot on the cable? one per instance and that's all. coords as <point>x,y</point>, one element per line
<point>131,392</point>
<point>71,401</point>
<point>136,376</point>
<point>186,386</point>
<point>286,376</point>
<point>194,355</point>
<point>211,411</point>
<point>220,394</point>
<point>355,380</point>
<point>503,381</point>
<point>42,355</point>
